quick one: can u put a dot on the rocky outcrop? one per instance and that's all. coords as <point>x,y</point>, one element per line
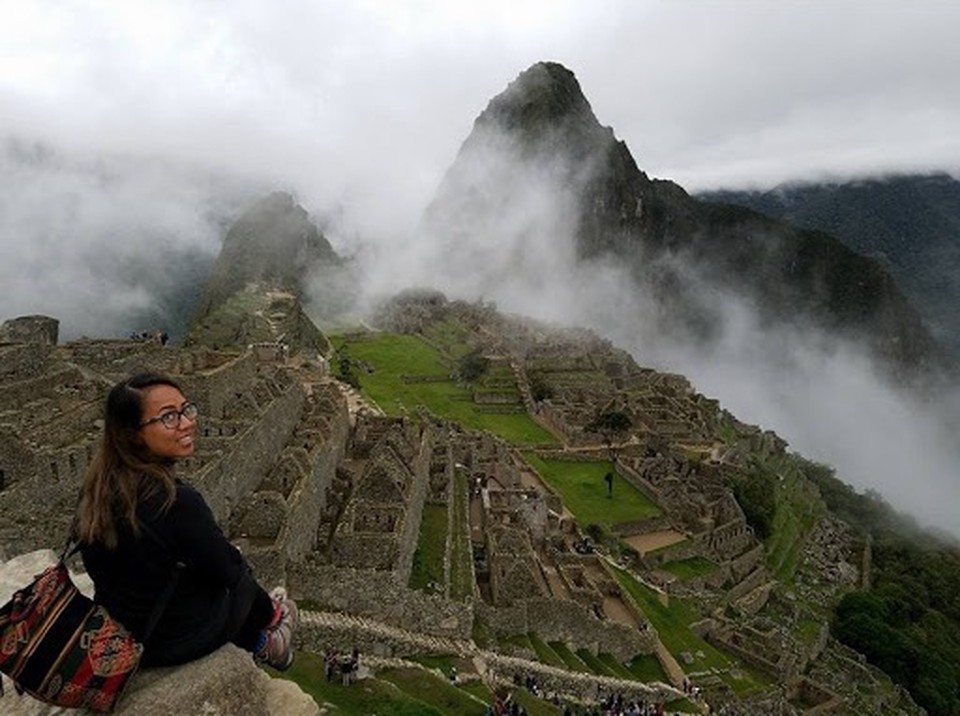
<point>30,329</point>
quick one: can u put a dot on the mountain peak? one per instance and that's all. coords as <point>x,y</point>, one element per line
<point>274,245</point>
<point>546,92</point>
<point>274,242</point>
<point>543,113</point>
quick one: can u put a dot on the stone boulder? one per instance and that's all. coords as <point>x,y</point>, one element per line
<point>225,683</point>
<point>30,329</point>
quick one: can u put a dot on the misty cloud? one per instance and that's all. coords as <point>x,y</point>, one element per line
<point>104,243</point>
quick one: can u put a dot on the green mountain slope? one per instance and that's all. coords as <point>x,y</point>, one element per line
<point>910,224</point>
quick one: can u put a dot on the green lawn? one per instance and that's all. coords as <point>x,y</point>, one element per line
<point>545,652</point>
<point>682,705</point>
<point>533,705</point>
<point>584,491</point>
<point>478,689</point>
<point>401,692</point>
<point>673,625</point>
<point>521,640</point>
<point>450,336</point>
<point>390,356</point>
<point>369,696</point>
<point>461,554</point>
<point>646,668</point>
<point>689,568</point>
<point>571,660</point>
<point>599,666</point>
<point>427,572</point>
<point>439,693</point>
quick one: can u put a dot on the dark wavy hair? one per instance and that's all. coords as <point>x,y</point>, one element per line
<point>123,471</point>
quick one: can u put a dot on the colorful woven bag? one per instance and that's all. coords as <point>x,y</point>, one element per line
<point>62,648</point>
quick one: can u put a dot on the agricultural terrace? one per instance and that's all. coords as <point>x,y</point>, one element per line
<point>798,510</point>
<point>582,488</point>
<point>673,622</point>
<point>402,692</point>
<point>402,372</point>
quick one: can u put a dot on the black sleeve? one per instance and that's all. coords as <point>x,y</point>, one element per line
<point>196,536</point>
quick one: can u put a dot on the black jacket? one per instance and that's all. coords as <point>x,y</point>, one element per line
<point>213,595</point>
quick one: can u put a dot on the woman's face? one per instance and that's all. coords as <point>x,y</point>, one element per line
<point>166,443</point>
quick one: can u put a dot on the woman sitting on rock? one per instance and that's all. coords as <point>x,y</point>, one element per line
<point>136,520</point>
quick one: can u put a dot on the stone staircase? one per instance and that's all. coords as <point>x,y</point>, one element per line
<point>523,385</point>
<point>399,640</point>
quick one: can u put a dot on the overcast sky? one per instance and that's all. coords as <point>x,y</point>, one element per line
<point>364,104</point>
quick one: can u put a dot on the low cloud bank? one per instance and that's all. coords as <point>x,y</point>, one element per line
<point>107,244</point>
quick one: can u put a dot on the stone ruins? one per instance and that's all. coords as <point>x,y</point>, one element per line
<point>324,492</point>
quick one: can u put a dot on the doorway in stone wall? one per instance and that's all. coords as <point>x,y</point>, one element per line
<point>3,479</point>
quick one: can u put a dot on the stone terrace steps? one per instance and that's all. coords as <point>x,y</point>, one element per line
<point>420,642</point>
<point>584,683</point>
<point>501,664</point>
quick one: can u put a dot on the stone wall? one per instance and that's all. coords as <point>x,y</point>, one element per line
<point>68,425</point>
<point>548,416</point>
<point>637,480</point>
<point>641,527</point>
<point>415,500</point>
<point>569,622</point>
<point>226,481</point>
<point>22,361</point>
<point>380,524</point>
<point>747,562</point>
<point>366,550</point>
<point>753,580</point>
<point>217,388</point>
<point>728,540</point>
<point>60,388</point>
<point>17,461</point>
<point>65,465</point>
<point>308,499</point>
<point>379,595</point>
<point>117,358</point>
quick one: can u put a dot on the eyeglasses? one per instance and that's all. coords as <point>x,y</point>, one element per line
<point>171,418</point>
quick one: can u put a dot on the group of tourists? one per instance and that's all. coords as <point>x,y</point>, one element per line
<point>614,704</point>
<point>341,667</point>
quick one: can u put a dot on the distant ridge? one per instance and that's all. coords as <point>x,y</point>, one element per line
<point>910,223</point>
